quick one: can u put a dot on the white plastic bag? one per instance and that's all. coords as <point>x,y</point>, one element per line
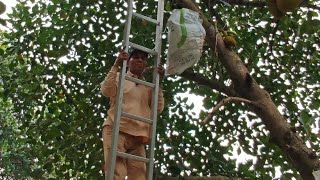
<point>316,175</point>
<point>185,37</point>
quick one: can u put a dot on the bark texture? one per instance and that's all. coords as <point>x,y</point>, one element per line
<point>302,158</point>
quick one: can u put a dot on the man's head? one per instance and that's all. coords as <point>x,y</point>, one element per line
<point>138,52</point>
<point>137,61</point>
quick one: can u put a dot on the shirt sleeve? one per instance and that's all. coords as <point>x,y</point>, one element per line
<point>109,85</point>
<point>160,101</point>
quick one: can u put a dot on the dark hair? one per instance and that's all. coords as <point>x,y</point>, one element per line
<point>138,51</point>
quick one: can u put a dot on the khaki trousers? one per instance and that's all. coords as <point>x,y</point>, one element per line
<point>135,170</point>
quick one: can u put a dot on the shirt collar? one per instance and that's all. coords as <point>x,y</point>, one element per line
<point>131,74</point>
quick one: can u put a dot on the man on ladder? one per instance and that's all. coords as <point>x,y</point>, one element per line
<point>134,106</point>
<point>133,135</point>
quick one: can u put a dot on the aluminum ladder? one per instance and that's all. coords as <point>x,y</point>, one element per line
<point>154,85</point>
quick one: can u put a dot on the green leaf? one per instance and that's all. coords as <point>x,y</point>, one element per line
<point>35,9</point>
<point>168,6</point>
<point>306,120</point>
<point>51,9</point>
<point>315,104</point>
<point>1,52</point>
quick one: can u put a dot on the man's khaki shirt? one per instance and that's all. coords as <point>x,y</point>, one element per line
<point>136,100</point>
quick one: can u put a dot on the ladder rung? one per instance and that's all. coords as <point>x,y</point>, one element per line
<point>149,121</point>
<point>137,46</point>
<point>133,157</point>
<point>145,18</point>
<point>136,80</point>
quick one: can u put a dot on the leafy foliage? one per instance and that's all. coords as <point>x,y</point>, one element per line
<point>62,50</point>
<point>14,162</point>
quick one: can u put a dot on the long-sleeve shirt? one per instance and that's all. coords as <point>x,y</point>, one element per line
<point>136,100</point>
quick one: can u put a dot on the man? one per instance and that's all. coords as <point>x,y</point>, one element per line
<point>137,98</point>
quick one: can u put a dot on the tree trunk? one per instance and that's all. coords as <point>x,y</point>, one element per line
<point>302,158</point>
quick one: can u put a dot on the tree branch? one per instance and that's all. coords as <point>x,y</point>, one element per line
<point>262,4</point>
<point>202,80</point>
<point>246,3</point>
<point>223,102</point>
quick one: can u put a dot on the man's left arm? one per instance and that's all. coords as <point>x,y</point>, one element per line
<point>160,70</point>
<point>160,101</point>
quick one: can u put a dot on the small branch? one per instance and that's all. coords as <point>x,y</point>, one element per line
<point>223,102</point>
<point>272,37</point>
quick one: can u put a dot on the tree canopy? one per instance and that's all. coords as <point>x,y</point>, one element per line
<point>57,53</point>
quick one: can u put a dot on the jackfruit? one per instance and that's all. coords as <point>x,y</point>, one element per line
<point>2,7</point>
<point>230,41</point>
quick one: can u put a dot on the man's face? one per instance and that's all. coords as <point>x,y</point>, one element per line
<point>137,63</point>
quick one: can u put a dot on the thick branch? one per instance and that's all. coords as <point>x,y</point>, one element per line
<point>201,80</point>
<point>222,103</point>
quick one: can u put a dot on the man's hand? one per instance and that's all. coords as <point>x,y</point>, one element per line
<point>160,70</point>
<point>123,56</point>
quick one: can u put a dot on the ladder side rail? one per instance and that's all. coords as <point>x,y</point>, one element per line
<point>156,80</point>
<point>127,28</point>
<point>115,129</point>
<point>117,116</point>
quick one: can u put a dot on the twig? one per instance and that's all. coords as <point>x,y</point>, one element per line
<point>272,37</point>
<point>223,102</point>
<point>216,43</point>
